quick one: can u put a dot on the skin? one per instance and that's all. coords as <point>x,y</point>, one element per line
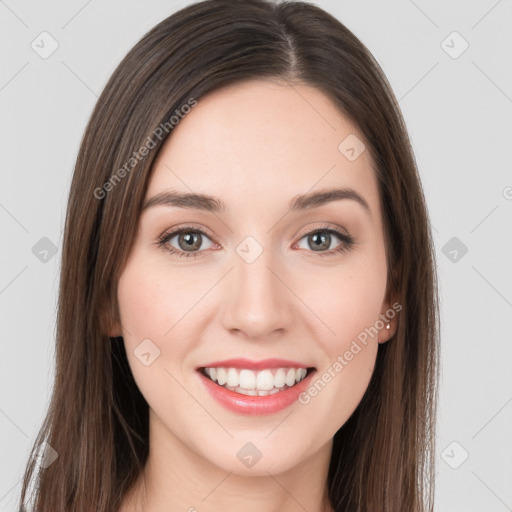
<point>270,142</point>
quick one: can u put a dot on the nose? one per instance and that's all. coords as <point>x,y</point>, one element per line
<point>258,302</point>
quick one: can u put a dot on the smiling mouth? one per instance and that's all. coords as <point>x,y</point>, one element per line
<point>256,383</point>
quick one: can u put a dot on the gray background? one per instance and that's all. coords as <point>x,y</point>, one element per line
<point>457,107</point>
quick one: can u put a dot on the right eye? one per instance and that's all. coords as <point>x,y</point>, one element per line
<point>189,238</point>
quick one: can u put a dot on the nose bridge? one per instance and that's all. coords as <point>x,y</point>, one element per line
<point>258,301</point>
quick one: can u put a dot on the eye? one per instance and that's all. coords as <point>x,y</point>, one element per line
<point>188,239</point>
<point>322,237</point>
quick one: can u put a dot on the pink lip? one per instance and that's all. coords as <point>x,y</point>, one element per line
<point>256,405</point>
<point>254,365</point>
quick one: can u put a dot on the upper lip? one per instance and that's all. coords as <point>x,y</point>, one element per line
<point>255,365</point>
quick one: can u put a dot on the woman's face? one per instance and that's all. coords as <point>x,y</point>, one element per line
<point>257,283</point>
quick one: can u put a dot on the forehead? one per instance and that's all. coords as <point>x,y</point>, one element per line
<point>262,140</point>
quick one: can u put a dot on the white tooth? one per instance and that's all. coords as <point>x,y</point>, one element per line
<point>242,391</point>
<point>247,379</point>
<point>290,377</point>
<point>272,391</point>
<point>222,376</point>
<point>279,378</point>
<point>232,377</point>
<point>265,380</point>
<point>263,392</point>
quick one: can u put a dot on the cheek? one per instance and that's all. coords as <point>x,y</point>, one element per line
<point>147,301</point>
<point>349,309</point>
<point>149,310</point>
<point>346,301</point>
<point>158,305</point>
<point>142,319</point>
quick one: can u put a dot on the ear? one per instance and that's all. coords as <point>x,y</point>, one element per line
<point>389,317</point>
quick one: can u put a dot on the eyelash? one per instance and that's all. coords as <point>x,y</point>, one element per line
<point>348,240</point>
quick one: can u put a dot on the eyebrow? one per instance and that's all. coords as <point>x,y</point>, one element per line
<point>213,204</point>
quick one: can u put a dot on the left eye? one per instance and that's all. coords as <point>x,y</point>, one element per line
<point>321,239</point>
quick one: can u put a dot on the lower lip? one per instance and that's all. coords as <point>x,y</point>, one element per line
<point>256,405</point>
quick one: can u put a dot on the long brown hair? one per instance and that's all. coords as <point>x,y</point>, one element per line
<point>97,420</point>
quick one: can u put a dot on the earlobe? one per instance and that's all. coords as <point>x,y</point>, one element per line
<point>390,318</point>
<point>386,333</point>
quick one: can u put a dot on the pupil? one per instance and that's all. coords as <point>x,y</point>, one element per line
<point>318,236</point>
<point>189,239</point>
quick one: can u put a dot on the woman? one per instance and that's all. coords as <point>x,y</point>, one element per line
<point>248,310</point>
